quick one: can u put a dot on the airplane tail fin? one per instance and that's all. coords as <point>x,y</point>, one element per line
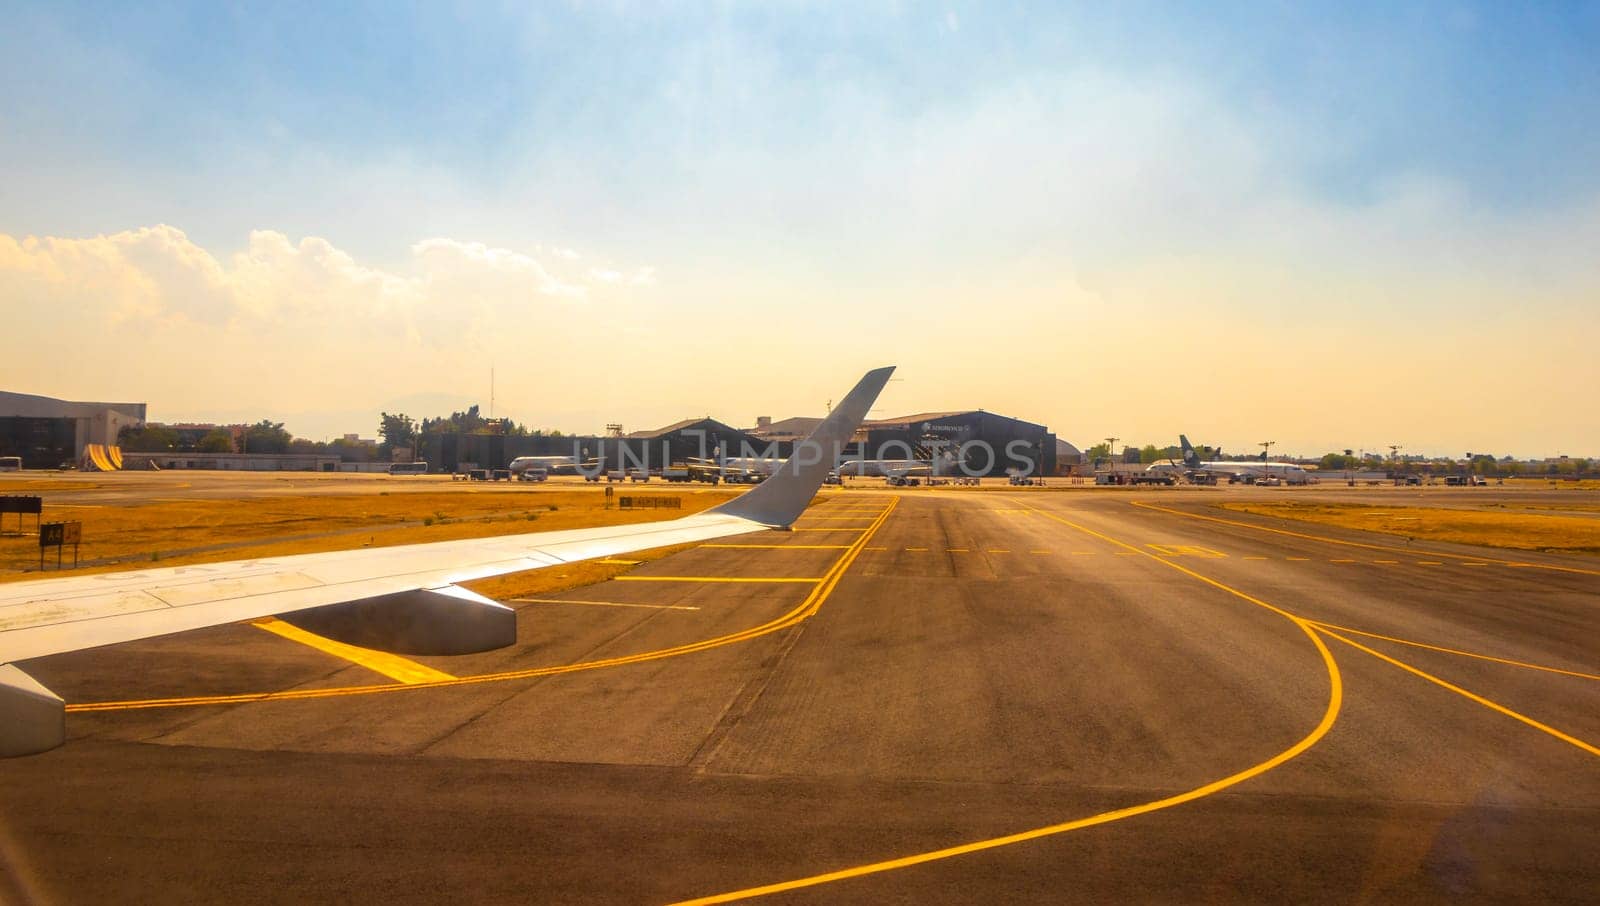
<point>782,497</point>
<point>1190,457</point>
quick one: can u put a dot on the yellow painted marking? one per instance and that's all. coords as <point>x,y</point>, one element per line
<point>1083,553</point>
<point>1341,561</point>
<point>1180,550</point>
<point>1493,706</point>
<point>917,549</point>
<point>735,579</point>
<point>1429,563</point>
<point>600,603</point>
<point>1386,562</point>
<point>1253,557</point>
<point>955,550</point>
<point>1474,564</point>
<point>813,601</point>
<point>1039,552</point>
<point>1375,547</point>
<point>998,550</point>
<point>1457,651</point>
<point>779,547</point>
<point>1297,559</point>
<point>845,529</point>
<point>621,562</point>
<point>393,666</point>
<point>876,548</point>
<point>1128,553</point>
<point>1330,714</point>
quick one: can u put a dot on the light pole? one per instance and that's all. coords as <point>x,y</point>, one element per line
<point>1111,446</point>
<point>1266,447</point>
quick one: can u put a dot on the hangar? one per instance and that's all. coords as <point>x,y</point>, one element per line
<point>46,432</point>
<point>974,432</point>
<point>987,443</point>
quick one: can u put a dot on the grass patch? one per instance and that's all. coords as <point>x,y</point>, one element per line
<point>178,532</point>
<point>1512,531</point>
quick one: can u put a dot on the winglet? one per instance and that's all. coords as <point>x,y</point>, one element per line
<point>780,499</point>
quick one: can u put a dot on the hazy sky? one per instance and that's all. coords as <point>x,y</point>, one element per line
<point>1331,229</point>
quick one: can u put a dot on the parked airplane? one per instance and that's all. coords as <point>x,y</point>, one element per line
<point>1253,469</point>
<point>883,468</point>
<point>406,598</point>
<point>555,465</point>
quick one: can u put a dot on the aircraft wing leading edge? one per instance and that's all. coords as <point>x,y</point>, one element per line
<point>366,593</point>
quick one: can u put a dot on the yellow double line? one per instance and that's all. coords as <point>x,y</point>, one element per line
<point>812,603</point>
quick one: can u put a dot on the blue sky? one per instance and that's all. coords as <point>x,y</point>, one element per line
<point>887,166</point>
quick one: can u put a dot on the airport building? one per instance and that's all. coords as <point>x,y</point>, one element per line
<point>675,443</point>
<point>987,444</point>
<point>1016,445</point>
<point>47,432</point>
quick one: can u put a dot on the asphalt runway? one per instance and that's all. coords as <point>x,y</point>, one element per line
<point>921,697</point>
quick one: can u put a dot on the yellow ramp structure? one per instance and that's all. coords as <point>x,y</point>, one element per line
<point>100,458</point>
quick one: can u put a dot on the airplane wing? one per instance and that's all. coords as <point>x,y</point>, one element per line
<point>405,598</point>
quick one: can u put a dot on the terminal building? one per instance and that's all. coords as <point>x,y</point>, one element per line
<point>47,432</point>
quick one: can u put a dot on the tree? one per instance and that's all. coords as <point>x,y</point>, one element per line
<point>215,441</point>
<point>397,430</point>
<point>1335,462</point>
<point>148,439</point>
<point>1097,452</point>
<point>266,437</point>
<point>1149,453</point>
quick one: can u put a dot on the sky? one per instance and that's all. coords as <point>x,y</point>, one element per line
<point>1336,228</point>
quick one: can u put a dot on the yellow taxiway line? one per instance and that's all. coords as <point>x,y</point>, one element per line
<point>1330,714</point>
<point>1323,539</point>
<point>584,603</point>
<point>393,666</point>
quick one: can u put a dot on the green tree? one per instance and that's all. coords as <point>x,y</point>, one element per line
<point>1149,453</point>
<point>1333,462</point>
<point>397,430</point>
<point>1097,452</point>
<point>266,437</point>
<point>215,441</point>
<point>148,439</point>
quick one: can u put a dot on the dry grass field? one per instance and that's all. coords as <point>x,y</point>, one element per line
<point>1511,530</point>
<point>176,532</point>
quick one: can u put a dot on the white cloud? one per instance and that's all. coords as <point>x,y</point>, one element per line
<point>158,273</point>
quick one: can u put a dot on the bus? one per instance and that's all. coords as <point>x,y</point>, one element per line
<point>408,468</point>
<point>10,464</point>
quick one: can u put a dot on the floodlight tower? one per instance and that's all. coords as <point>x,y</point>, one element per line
<point>1111,447</point>
<point>1266,447</point>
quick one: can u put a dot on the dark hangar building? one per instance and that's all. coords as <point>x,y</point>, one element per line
<point>1012,441</point>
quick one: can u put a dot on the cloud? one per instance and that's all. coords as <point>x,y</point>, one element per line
<point>157,273</point>
<point>452,267</point>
